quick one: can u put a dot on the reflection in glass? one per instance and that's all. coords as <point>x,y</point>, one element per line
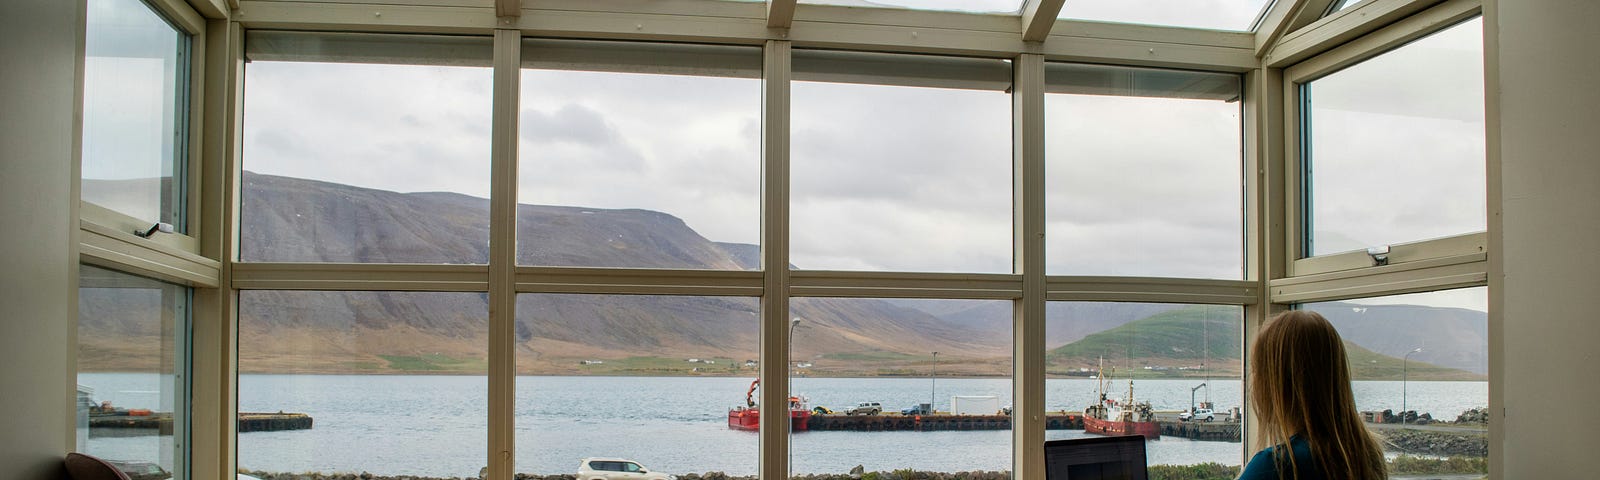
<point>1143,173</point>
<point>1395,150</point>
<point>976,6</point>
<point>1342,4</point>
<point>395,383</point>
<point>1237,15</point>
<point>132,394</point>
<point>365,162</point>
<point>1179,363</point>
<point>935,376</point>
<point>1421,359</point>
<point>640,379</point>
<point>659,169</point>
<point>901,175</point>
<point>135,101</point>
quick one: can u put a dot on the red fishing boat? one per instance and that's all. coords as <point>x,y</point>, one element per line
<point>748,417</point>
<point>1110,416</point>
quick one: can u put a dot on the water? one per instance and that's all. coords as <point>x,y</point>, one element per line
<point>437,425</point>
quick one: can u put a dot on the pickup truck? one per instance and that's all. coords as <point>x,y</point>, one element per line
<point>865,408</point>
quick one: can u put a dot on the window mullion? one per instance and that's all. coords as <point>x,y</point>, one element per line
<point>502,252</point>
<point>775,259</point>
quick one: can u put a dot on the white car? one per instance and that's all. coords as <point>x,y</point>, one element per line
<point>865,408</point>
<point>1202,414</point>
<point>598,468</point>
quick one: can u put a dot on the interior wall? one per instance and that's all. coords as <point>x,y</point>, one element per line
<point>39,45</point>
<point>1548,154</point>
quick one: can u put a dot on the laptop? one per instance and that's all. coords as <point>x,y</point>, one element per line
<point>1096,458</point>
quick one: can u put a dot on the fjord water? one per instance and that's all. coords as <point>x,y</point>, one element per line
<point>437,425</point>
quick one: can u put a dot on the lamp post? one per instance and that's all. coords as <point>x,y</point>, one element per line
<point>1405,373</point>
<point>933,382</point>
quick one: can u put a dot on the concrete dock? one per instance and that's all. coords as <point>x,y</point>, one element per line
<point>1209,431</point>
<point>160,423</point>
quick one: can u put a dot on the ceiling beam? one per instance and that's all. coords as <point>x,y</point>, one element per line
<point>1287,16</point>
<point>507,8</point>
<point>1037,18</point>
<point>780,13</point>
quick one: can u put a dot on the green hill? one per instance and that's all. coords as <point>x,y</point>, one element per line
<point>1185,333</point>
<point>1369,365</point>
<point>1176,344</point>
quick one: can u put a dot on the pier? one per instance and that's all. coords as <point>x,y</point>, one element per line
<point>161,423</point>
<point>1208,431</point>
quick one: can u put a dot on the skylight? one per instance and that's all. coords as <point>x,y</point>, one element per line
<point>974,6</point>
<point>1237,15</point>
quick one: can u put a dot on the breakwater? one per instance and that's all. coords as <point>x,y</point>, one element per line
<point>161,423</point>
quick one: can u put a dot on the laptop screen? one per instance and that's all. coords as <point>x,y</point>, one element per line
<point>1095,458</point>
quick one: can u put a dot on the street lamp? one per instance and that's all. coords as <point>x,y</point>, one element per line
<point>1404,377</point>
<point>933,381</point>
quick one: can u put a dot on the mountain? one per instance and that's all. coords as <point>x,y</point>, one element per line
<point>1065,322</point>
<point>1449,337</point>
<point>290,219</point>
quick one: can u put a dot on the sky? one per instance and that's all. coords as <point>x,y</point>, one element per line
<point>884,178</point>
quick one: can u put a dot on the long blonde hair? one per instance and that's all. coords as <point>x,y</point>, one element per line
<point>1300,385</point>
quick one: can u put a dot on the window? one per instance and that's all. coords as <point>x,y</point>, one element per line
<point>1169,358</point>
<point>396,376</point>
<point>133,382</point>
<point>135,113</point>
<point>1393,147</point>
<point>890,153</point>
<point>1143,172</point>
<point>639,155</point>
<point>900,375</point>
<point>1418,362</point>
<point>624,375</point>
<point>1238,15</point>
<point>353,139</point>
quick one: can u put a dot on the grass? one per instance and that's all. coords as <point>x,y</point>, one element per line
<point>434,363</point>
<point>1410,465</point>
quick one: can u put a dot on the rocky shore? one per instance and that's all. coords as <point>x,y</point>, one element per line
<point>1437,443</point>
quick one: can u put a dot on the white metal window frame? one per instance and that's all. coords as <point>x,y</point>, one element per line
<point>1029,288</point>
<point>1466,248</point>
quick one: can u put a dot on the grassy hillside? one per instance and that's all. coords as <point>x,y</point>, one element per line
<point>1193,334</point>
<point>1369,365</point>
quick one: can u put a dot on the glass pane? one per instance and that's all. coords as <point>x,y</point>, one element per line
<point>1395,148</point>
<point>977,6</point>
<point>1143,173</point>
<point>1180,367</point>
<point>920,385</point>
<point>365,162</point>
<point>1419,365</point>
<point>900,176</point>
<point>1342,4</point>
<point>132,399</point>
<point>644,170</point>
<point>135,100</point>
<point>607,382</point>
<point>393,383</point>
<point>1237,15</point>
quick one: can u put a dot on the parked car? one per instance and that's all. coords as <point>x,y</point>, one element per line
<point>617,469</point>
<point>919,409</point>
<point>865,408</point>
<point>1201,414</point>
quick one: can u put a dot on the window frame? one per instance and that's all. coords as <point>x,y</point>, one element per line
<point>1463,248</point>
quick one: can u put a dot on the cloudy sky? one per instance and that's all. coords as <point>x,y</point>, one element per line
<point>889,178</point>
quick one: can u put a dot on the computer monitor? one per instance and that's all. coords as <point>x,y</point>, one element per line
<point>1095,458</point>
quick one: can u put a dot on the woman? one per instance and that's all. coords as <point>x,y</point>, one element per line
<point>1300,391</point>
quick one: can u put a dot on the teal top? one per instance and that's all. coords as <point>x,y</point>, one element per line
<point>1262,467</point>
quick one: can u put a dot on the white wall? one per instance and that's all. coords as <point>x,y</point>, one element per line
<point>1549,271</point>
<point>39,41</point>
